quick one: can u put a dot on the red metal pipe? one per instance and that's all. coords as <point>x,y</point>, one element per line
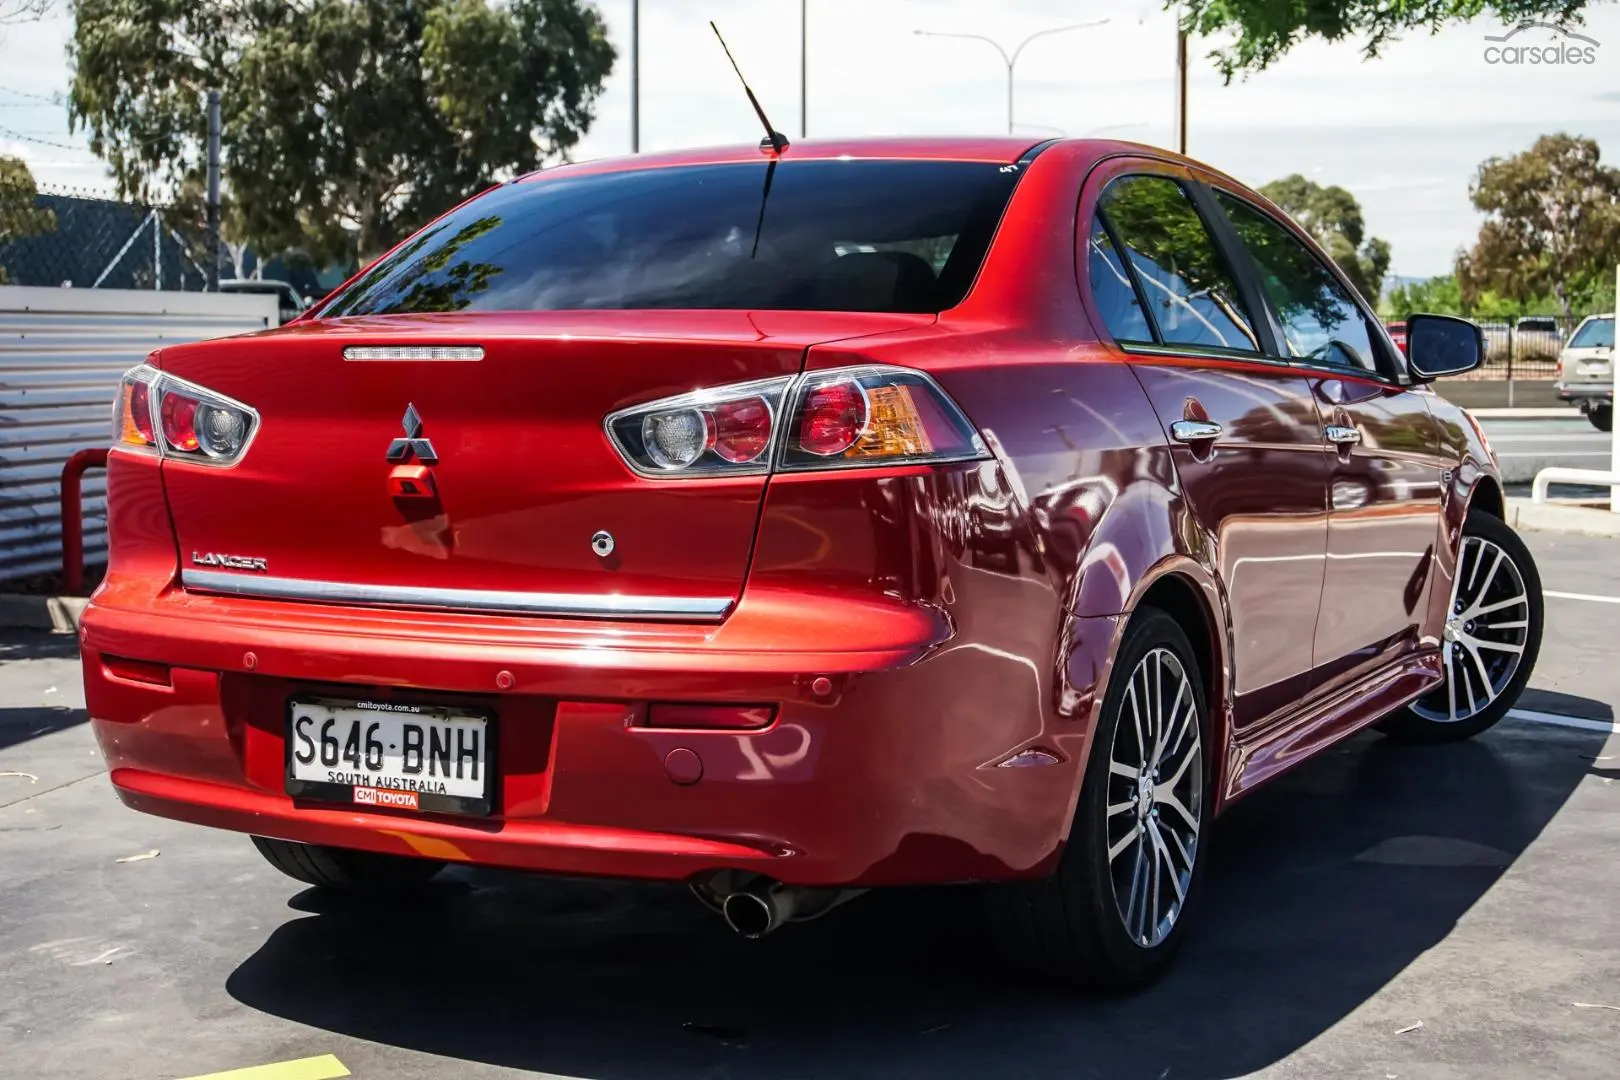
<point>73,515</point>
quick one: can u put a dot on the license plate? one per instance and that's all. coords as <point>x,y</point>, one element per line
<point>391,755</point>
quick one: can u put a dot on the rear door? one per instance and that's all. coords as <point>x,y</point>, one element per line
<point>1387,471</point>
<point>1245,435</point>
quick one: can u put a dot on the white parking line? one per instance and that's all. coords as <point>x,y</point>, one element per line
<point>1559,720</point>
<point>1582,596</point>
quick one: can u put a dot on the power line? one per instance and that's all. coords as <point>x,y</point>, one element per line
<point>11,134</point>
<point>53,99</point>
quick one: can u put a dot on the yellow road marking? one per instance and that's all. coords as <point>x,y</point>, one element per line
<point>325,1067</point>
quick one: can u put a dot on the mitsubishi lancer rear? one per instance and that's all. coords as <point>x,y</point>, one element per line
<point>602,527</point>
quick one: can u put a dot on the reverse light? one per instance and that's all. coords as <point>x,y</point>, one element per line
<point>180,419</point>
<point>824,420</point>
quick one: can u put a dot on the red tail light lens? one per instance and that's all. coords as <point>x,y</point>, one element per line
<point>837,418</point>
<point>195,423</point>
<point>877,416</point>
<point>742,429</point>
<point>832,418</point>
<point>179,413</point>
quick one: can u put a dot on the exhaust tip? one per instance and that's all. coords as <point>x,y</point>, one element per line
<point>748,914</point>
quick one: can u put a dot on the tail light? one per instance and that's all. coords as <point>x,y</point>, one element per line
<point>833,419</point>
<point>180,419</point>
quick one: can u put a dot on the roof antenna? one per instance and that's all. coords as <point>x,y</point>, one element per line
<point>773,138</point>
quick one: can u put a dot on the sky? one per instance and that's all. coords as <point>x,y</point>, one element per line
<point>1405,133</point>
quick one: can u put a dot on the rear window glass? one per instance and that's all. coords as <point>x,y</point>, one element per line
<point>905,236</point>
<point>1597,334</point>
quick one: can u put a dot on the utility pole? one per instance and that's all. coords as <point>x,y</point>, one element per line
<point>635,76</point>
<point>1011,59</point>
<point>213,191</point>
<point>1181,87</point>
<point>804,68</point>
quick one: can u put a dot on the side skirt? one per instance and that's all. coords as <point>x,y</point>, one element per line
<point>1268,754</point>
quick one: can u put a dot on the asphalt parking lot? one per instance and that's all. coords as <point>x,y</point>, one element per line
<point>1383,912</point>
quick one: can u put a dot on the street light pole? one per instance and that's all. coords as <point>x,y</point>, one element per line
<point>635,76</point>
<point>1011,60</point>
<point>804,68</point>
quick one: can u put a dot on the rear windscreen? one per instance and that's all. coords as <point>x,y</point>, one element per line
<point>903,236</point>
<point>1597,334</point>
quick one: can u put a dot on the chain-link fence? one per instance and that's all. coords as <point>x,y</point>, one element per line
<point>85,242</point>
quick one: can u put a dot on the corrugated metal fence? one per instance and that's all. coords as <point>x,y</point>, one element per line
<point>61,353</point>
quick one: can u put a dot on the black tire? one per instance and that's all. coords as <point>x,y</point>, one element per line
<point>1070,929</point>
<point>1602,417</point>
<point>343,869</point>
<point>1422,721</point>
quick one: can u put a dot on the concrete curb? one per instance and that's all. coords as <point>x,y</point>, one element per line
<point>1562,517</point>
<point>1526,414</point>
<point>58,614</point>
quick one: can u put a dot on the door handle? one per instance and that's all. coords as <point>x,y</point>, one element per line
<point>1191,431</point>
<point>1341,436</point>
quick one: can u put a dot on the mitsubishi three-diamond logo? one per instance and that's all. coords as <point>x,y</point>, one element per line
<point>401,450</point>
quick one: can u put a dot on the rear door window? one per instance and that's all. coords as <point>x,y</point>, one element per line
<point>900,236</point>
<point>1190,292</point>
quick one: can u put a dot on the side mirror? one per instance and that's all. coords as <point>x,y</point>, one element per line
<point>1440,345</point>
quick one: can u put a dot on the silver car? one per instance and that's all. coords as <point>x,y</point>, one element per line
<point>1586,370</point>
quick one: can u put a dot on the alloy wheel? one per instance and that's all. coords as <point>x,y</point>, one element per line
<point>1155,797</point>
<point>1486,629</point>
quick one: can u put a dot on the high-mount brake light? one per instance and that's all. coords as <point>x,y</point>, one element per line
<point>824,420</point>
<point>179,419</point>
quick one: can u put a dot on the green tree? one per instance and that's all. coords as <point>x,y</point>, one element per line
<point>1333,217</point>
<point>1552,223</point>
<point>19,217</point>
<point>347,123</point>
<point>1266,29</point>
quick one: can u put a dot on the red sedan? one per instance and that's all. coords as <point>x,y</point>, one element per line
<point>791,524</point>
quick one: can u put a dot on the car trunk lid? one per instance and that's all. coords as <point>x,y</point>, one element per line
<point>524,479</point>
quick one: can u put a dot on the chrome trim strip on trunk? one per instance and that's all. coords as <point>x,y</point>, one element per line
<point>582,605</point>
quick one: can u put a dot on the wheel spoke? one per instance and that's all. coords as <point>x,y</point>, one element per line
<point>1484,673</point>
<point>1479,560</point>
<point>1451,684</point>
<point>1181,770</point>
<point>1515,624</point>
<point>1474,613</point>
<point>1170,799</point>
<point>1172,727</point>
<point>1137,875</point>
<point>1181,849</point>
<point>1160,848</point>
<point>1499,646</point>
<point>1136,720</point>
<point>1123,771</point>
<point>1119,808</point>
<point>1468,685</point>
<point>1154,907</point>
<point>1123,843</point>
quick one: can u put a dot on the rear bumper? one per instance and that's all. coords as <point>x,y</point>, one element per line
<point>1584,393</point>
<point>893,776</point>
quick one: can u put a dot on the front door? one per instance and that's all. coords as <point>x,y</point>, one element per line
<point>1246,437</point>
<point>1385,484</point>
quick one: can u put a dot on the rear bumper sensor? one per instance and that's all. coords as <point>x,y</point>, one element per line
<point>576,605</point>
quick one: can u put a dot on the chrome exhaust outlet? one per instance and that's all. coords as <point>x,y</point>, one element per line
<point>754,906</point>
<point>754,913</point>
